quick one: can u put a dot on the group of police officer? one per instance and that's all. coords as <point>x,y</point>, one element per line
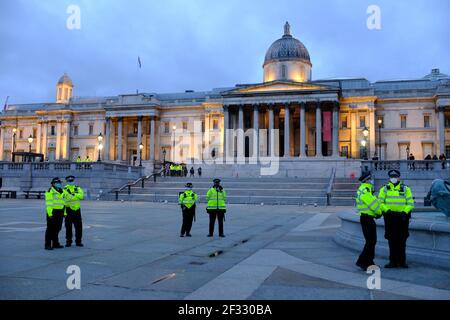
<point>395,203</point>
<point>63,204</point>
<point>216,208</point>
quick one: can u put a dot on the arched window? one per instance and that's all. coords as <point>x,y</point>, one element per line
<point>283,72</point>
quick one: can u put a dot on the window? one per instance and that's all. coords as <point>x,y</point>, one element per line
<point>447,152</point>
<point>447,121</point>
<point>283,72</point>
<point>344,122</point>
<point>59,93</point>
<point>75,130</point>
<point>166,127</point>
<point>215,124</point>
<point>34,133</point>
<point>20,134</point>
<point>135,128</point>
<point>52,131</point>
<point>91,129</point>
<point>403,121</point>
<point>362,121</point>
<point>66,94</point>
<point>426,121</point>
<point>203,126</point>
<point>185,125</point>
<point>344,151</point>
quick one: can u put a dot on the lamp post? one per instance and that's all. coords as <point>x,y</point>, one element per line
<point>141,147</point>
<point>173,148</point>
<point>164,157</point>
<point>100,146</point>
<point>14,130</point>
<point>364,141</point>
<point>380,123</point>
<point>30,141</point>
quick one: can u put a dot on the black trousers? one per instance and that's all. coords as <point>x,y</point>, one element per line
<point>397,232</point>
<point>369,229</point>
<point>54,226</point>
<point>220,215</point>
<point>188,217</point>
<point>73,218</point>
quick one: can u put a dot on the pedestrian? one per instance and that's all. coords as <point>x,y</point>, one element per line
<point>216,207</point>
<point>73,212</point>
<point>443,158</point>
<point>187,200</point>
<point>397,203</point>
<point>192,171</point>
<point>369,209</point>
<point>412,164</point>
<point>199,171</point>
<point>55,203</point>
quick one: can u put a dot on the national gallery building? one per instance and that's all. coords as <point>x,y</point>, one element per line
<point>310,119</point>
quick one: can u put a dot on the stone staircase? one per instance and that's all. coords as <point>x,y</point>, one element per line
<point>287,191</point>
<point>343,192</point>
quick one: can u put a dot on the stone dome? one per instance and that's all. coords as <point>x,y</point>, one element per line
<point>65,79</point>
<point>287,48</point>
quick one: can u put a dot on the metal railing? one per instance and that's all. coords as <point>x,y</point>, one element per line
<point>330,185</point>
<point>141,180</point>
<point>414,168</point>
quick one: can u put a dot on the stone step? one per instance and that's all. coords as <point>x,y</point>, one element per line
<point>241,186</point>
<point>342,201</point>
<point>267,192</point>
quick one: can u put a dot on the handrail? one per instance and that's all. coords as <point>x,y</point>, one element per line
<point>330,185</point>
<point>131,184</point>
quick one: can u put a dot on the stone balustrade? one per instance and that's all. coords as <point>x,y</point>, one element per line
<point>409,169</point>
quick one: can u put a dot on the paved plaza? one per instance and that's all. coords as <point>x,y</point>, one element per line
<point>133,251</point>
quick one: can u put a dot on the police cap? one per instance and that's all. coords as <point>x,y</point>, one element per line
<point>366,175</point>
<point>394,173</point>
<point>189,185</point>
<point>56,180</point>
<point>216,180</point>
<point>70,178</point>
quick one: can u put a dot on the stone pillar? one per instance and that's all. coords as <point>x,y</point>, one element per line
<point>226,123</point>
<point>44,146</point>
<point>38,138</point>
<point>206,152</point>
<point>107,147</point>
<point>302,131</point>
<point>441,130</point>
<point>353,136</point>
<point>2,138</point>
<point>271,144</point>
<point>240,132</point>
<point>336,130</point>
<point>58,141</point>
<point>152,139</point>
<point>119,138</point>
<point>67,141</point>
<point>139,140</point>
<point>287,135</point>
<point>318,130</point>
<point>255,131</point>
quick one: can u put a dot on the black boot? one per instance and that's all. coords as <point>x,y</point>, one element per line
<point>391,265</point>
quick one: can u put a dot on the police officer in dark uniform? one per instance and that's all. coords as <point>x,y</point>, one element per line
<point>73,211</point>
<point>55,205</point>
<point>397,204</point>
<point>216,207</point>
<point>187,200</point>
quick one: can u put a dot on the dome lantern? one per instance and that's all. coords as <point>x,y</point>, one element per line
<point>64,89</point>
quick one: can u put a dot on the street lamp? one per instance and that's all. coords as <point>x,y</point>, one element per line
<point>380,123</point>
<point>30,141</point>
<point>100,146</point>
<point>164,157</point>
<point>364,145</point>
<point>173,148</point>
<point>141,147</point>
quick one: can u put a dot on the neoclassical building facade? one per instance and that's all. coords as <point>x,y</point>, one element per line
<point>288,114</point>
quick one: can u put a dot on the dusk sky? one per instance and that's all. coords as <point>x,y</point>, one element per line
<point>200,45</point>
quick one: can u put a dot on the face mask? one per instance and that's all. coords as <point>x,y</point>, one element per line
<point>70,183</point>
<point>394,180</point>
<point>58,185</point>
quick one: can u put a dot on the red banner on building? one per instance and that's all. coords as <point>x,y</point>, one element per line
<point>326,126</point>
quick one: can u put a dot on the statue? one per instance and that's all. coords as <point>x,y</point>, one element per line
<point>439,195</point>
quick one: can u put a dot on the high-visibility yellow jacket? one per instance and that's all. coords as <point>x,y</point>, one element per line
<point>87,159</point>
<point>54,200</point>
<point>74,195</point>
<point>188,198</point>
<point>397,198</point>
<point>216,198</point>
<point>366,202</point>
<point>79,159</point>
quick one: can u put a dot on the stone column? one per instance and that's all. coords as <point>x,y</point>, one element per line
<point>206,152</point>
<point>287,135</point>
<point>318,130</point>
<point>38,138</point>
<point>336,130</point>
<point>240,132</point>
<point>353,136</point>
<point>255,131</point>
<point>302,131</point>
<point>67,141</point>
<point>107,147</point>
<point>152,139</point>
<point>271,144</point>
<point>441,129</point>
<point>44,146</point>
<point>119,138</point>
<point>226,123</point>
<point>372,131</point>
<point>58,141</point>
<point>139,140</point>
<point>2,138</point>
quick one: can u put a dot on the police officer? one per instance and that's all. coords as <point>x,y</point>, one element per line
<point>55,203</point>
<point>369,209</point>
<point>187,201</point>
<point>216,208</point>
<point>74,194</point>
<point>397,205</point>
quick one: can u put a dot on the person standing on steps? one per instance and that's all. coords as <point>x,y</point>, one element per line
<point>216,208</point>
<point>187,200</point>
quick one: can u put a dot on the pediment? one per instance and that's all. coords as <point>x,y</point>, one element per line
<point>278,86</point>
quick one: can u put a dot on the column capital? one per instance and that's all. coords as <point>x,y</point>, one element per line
<point>226,107</point>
